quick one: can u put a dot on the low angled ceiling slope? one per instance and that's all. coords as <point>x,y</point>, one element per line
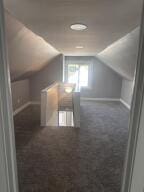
<point>27,52</point>
<point>121,56</point>
<point>107,21</point>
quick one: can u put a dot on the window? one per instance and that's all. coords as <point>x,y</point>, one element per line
<point>78,74</point>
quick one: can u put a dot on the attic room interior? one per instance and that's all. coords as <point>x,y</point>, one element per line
<point>72,65</point>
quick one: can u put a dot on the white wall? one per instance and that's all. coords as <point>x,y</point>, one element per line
<point>47,76</point>
<point>104,82</point>
<point>121,56</point>
<point>49,106</point>
<point>20,93</point>
<point>138,171</point>
<point>27,52</point>
<point>127,91</point>
<point>28,90</point>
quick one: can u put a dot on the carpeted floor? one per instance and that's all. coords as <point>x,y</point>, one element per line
<point>58,159</point>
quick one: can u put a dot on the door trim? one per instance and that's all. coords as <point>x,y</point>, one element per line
<point>8,168</point>
<point>135,113</point>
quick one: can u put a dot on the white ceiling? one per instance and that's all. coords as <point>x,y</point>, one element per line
<point>107,21</point>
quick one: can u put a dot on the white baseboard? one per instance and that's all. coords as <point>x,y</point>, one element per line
<point>125,104</point>
<point>21,108</point>
<point>82,98</point>
<point>99,99</point>
<point>24,106</point>
<point>106,99</point>
<point>35,102</point>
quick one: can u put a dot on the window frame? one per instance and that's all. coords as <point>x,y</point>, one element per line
<point>89,63</point>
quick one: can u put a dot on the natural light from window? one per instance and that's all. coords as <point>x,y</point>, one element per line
<point>78,74</point>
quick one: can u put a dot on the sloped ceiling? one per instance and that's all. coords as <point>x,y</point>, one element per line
<point>28,52</point>
<point>107,21</point>
<point>121,56</point>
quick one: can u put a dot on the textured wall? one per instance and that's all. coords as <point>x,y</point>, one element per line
<point>121,56</point>
<point>50,74</point>
<point>127,91</point>
<point>104,82</point>
<point>27,52</point>
<point>20,93</point>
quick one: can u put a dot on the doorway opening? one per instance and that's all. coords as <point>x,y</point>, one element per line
<point>79,144</point>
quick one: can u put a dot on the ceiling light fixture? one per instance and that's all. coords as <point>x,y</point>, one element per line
<point>79,47</point>
<point>78,27</point>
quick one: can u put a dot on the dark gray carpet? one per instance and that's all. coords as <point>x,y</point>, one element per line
<point>58,159</point>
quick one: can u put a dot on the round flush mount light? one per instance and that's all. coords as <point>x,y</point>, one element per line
<point>78,27</point>
<point>79,47</point>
